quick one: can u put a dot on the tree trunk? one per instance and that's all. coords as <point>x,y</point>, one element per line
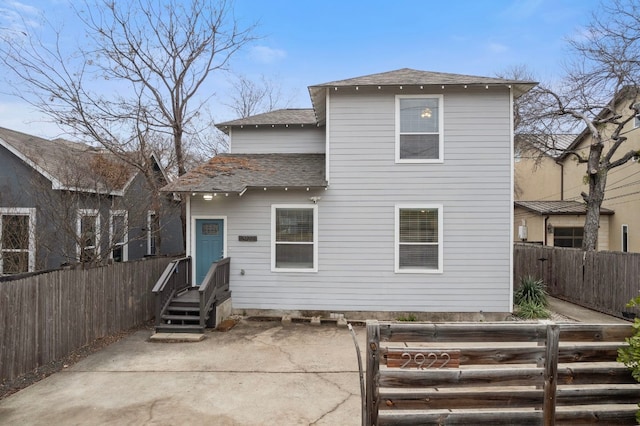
<point>597,174</point>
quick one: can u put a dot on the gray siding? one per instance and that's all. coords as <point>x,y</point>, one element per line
<point>267,140</point>
<point>356,215</point>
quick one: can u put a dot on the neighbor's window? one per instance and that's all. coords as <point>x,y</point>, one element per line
<point>568,237</point>
<point>17,241</point>
<point>152,233</point>
<point>419,238</point>
<point>636,122</point>
<point>118,228</point>
<point>88,229</point>
<point>625,238</point>
<point>419,129</point>
<point>294,230</point>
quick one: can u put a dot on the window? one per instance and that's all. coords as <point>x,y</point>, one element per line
<point>419,125</point>
<point>119,238</point>
<point>294,231</point>
<point>636,121</point>
<point>88,229</point>
<point>419,239</point>
<point>568,237</point>
<point>625,238</point>
<point>152,233</point>
<point>17,240</point>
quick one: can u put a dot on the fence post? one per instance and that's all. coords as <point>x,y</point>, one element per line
<point>373,348</point>
<point>551,375</point>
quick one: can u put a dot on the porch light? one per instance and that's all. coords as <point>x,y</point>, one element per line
<point>549,228</point>
<point>208,197</point>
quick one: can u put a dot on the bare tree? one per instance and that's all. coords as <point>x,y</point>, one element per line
<point>600,95</point>
<point>249,97</point>
<point>140,76</point>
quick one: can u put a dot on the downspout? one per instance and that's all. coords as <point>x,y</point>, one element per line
<point>544,229</point>
<point>561,179</point>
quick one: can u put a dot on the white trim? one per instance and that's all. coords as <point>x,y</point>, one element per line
<point>125,237</point>
<point>314,207</point>
<point>440,158</point>
<point>22,211</point>
<point>327,131</point>
<point>396,249</point>
<point>92,213</point>
<point>191,248</point>
<point>622,234</point>
<point>511,199</point>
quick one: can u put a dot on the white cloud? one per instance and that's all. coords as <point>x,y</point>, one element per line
<point>267,55</point>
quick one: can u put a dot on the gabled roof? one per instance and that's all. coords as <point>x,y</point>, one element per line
<point>70,165</point>
<point>280,117</point>
<point>551,145</point>
<point>235,173</point>
<point>410,77</point>
<point>558,207</point>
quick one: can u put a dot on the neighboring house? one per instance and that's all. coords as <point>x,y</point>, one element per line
<point>549,204</point>
<point>393,193</point>
<point>63,202</point>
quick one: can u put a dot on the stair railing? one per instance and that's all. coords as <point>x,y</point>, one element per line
<point>214,287</point>
<point>175,278</point>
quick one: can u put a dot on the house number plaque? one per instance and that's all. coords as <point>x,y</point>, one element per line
<point>247,238</point>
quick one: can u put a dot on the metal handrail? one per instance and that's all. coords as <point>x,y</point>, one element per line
<point>214,285</point>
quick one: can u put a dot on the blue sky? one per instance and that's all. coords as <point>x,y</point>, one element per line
<point>307,42</point>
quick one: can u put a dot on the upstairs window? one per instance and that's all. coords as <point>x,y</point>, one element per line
<point>294,231</point>
<point>419,125</point>
<point>419,239</point>
<point>636,121</point>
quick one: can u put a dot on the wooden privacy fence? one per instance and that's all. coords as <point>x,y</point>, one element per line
<point>45,317</point>
<point>497,374</point>
<point>604,281</point>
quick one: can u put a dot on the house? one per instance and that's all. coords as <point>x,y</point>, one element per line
<point>64,202</point>
<point>549,208</point>
<point>393,193</point>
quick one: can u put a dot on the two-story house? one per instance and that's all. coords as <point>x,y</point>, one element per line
<point>549,204</point>
<point>64,202</point>
<point>393,193</point>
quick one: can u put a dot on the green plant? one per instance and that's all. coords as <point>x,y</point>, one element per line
<point>530,310</point>
<point>531,291</point>
<point>407,317</point>
<point>630,355</point>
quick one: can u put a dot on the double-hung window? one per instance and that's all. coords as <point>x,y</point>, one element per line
<point>119,230</point>
<point>17,240</point>
<point>294,235</point>
<point>152,233</point>
<point>418,239</point>
<point>88,229</point>
<point>419,125</point>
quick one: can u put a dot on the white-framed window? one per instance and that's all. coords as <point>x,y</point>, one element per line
<point>294,238</point>
<point>152,233</point>
<point>17,240</point>
<point>88,230</point>
<point>625,238</point>
<point>419,123</point>
<point>119,231</point>
<point>418,245</point>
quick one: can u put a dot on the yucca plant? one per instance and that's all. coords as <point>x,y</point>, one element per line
<point>532,291</point>
<point>529,310</point>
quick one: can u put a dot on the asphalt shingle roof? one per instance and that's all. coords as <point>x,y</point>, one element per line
<point>72,165</point>
<point>277,117</point>
<point>558,207</point>
<point>237,172</point>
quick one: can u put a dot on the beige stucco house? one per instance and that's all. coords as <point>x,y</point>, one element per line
<point>548,205</point>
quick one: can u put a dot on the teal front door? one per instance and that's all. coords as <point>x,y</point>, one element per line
<point>209,245</point>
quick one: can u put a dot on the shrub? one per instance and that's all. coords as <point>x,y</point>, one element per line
<point>530,310</point>
<point>531,291</point>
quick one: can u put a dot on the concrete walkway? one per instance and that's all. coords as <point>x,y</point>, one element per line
<point>258,373</point>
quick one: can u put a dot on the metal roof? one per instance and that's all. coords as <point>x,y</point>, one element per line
<point>558,207</point>
<point>237,172</point>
